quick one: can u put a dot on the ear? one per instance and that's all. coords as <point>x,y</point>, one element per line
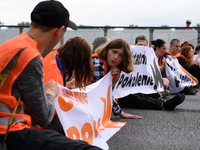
<point>59,31</point>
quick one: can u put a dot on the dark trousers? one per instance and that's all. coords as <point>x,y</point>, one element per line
<point>35,139</point>
<point>140,101</point>
<point>195,71</point>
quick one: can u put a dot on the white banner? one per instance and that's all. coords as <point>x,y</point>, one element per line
<point>146,77</point>
<point>178,77</point>
<point>86,114</point>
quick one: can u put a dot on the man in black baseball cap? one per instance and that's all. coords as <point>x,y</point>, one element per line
<point>25,84</point>
<point>52,14</point>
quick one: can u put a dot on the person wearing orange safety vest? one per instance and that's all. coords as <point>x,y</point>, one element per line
<point>23,83</point>
<point>160,50</point>
<point>105,61</point>
<point>62,63</point>
<point>8,98</point>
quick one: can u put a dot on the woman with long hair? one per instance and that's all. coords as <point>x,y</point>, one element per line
<point>185,60</point>
<point>63,64</point>
<point>160,47</point>
<point>114,56</point>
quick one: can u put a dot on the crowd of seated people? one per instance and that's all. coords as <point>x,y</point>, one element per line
<point>30,83</point>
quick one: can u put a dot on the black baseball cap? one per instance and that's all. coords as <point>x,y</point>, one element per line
<point>52,14</point>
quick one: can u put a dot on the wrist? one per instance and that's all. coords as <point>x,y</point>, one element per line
<point>51,92</point>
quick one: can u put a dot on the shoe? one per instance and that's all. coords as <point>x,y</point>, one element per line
<point>172,103</point>
<point>164,95</point>
<point>194,90</point>
<point>188,91</point>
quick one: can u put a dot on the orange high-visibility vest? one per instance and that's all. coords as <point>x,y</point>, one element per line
<point>160,61</point>
<point>7,101</point>
<point>51,70</point>
<point>105,66</point>
<point>169,53</point>
<point>178,55</point>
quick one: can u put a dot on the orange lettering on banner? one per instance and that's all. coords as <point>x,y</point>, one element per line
<point>106,122</point>
<point>73,131</point>
<point>81,97</point>
<point>187,73</point>
<point>78,96</point>
<point>97,127</point>
<point>84,97</point>
<point>87,128</point>
<point>67,94</point>
<point>65,106</point>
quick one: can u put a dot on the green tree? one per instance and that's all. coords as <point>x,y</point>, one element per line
<point>165,26</point>
<point>132,25</point>
<point>198,24</point>
<point>85,27</point>
<point>24,24</point>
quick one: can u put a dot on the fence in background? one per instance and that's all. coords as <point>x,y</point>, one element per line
<point>127,33</point>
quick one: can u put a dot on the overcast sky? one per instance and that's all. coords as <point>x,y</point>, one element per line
<point>111,12</point>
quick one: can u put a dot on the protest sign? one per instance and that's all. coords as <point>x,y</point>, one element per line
<point>85,114</point>
<point>178,77</point>
<point>146,77</point>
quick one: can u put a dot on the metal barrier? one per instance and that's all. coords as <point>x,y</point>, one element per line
<point>127,33</point>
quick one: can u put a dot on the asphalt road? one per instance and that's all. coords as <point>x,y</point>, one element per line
<point>160,129</point>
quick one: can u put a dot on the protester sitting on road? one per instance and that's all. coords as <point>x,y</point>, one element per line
<point>160,47</point>
<point>25,83</point>
<point>197,48</point>
<point>194,58</point>
<point>115,56</point>
<point>185,61</point>
<point>141,40</point>
<point>113,53</point>
<point>184,43</point>
<point>64,62</point>
<point>60,64</point>
<point>174,49</point>
<point>99,41</point>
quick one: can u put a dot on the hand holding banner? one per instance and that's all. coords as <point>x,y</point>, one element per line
<point>86,114</point>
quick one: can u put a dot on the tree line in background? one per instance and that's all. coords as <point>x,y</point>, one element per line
<point>80,26</point>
